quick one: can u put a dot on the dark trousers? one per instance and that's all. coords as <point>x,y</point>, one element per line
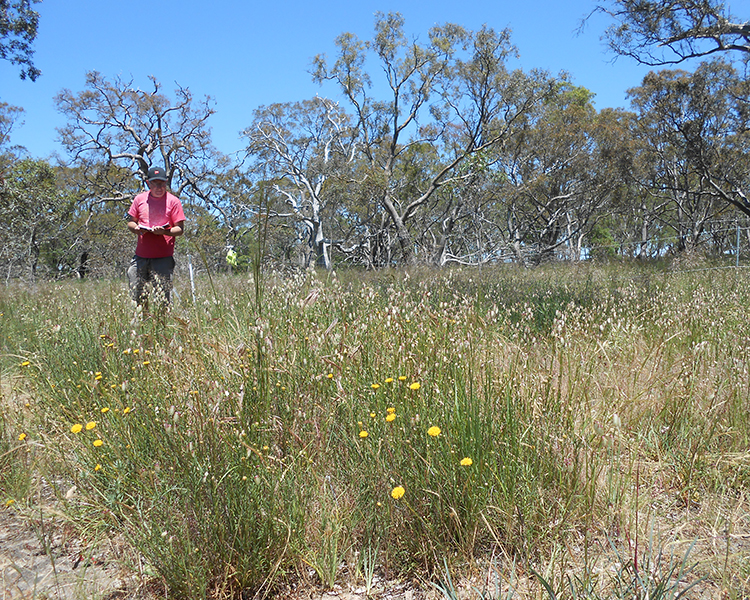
<point>157,272</point>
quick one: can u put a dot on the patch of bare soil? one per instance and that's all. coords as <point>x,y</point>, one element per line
<point>54,564</point>
<point>45,561</point>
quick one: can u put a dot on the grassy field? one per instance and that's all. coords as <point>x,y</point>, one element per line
<point>568,432</point>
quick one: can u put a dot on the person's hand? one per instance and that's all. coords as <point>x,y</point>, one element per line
<point>165,230</point>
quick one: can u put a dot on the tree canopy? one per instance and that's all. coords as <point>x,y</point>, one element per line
<point>430,150</point>
<point>659,32</point>
<point>18,29</point>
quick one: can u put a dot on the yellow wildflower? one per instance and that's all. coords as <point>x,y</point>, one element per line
<point>433,431</point>
<point>90,425</point>
<point>390,417</point>
<point>402,377</point>
<point>415,386</point>
<point>397,492</point>
<point>98,467</point>
<point>22,437</point>
<point>390,410</point>
<point>98,443</point>
<point>375,386</point>
<point>9,502</point>
<point>105,409</point>
<point>330,375</point>
<point>76,428</point>
<point>389,380</point>
<point>25,363</point>
<point>363,434</point>
<point>126,410</point>
<point>466,462</point>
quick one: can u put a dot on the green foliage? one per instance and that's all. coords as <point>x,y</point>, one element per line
<point>18,29</point>
<point>405,423</point>
<point>35,213</point>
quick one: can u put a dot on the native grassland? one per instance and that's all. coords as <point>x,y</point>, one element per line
<point>577,431</point>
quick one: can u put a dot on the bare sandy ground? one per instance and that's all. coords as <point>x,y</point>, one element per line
<point>48,562</point>
<point>54,564</point>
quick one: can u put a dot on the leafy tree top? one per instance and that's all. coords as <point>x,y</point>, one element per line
<point>18,29</point>
<point>662,32</point>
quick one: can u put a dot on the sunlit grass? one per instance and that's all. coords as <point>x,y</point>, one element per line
<point>420,421</point>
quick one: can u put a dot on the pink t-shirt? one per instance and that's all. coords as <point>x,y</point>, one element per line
<point>153,212</point>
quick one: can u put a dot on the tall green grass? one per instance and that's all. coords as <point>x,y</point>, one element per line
<point>404,423</point>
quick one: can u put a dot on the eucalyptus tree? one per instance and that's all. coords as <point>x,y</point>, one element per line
<point>35,212</point>
<point>9,117</point>
<point>305,148</point>
<point>19,23</point>
<point>635,216</point>
<point>694,131</point>
<point>452,97</point>
<point>663,32</point>
<point>553,179</point>
<point>114,122</point>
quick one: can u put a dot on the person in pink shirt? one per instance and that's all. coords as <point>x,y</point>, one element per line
<point>156,217</point>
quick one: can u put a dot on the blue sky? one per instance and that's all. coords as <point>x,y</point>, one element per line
<point>248,53</point>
